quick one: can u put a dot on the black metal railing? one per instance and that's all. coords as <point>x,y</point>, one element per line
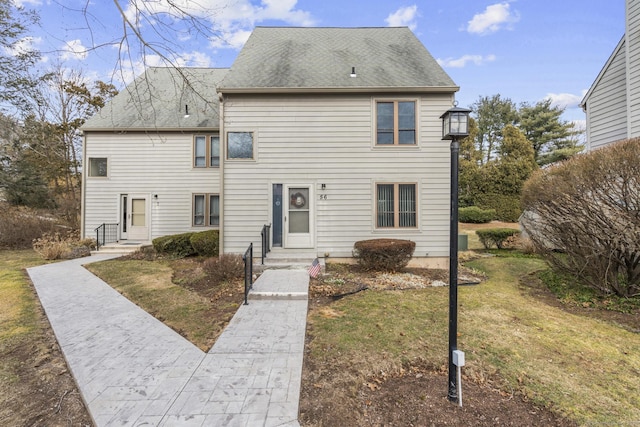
<point>248,272</point>
<point>266,240</point>
<point>106,233</point>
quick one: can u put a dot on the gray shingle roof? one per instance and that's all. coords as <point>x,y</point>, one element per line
<point>157,99</point>
<point>302,59</point>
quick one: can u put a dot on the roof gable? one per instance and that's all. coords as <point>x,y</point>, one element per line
<point>285,58</point>
<point>157,100</point>
<point>619,48</point>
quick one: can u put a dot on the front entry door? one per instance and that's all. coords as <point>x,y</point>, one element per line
<point>137,224</point>
<point>124,214</point>
<point>298,216</point>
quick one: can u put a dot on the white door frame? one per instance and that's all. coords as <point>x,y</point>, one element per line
<point>138,232</point>
<point>295,239</point>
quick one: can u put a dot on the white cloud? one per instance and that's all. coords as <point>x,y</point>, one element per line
<point>233,21</point>
<point>22,3</point>
<point>73,49</point>
<point>231,39</point>
<point>26,44</point>
<point>405,16</point>
<point>494,18</point>
<point>565,100</point>
<point>465,59</point>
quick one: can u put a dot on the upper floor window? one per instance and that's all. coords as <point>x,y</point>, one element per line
<point>206,151</point>
<point>240,145</point>
<point>396,206</point>
<point>98,166</point>
<point>395,123</point>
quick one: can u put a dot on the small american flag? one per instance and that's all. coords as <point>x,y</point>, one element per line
<point>315,268</point>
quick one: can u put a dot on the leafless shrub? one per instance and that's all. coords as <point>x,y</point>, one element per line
<point>584,215</point>
<point>224,268</point>
<point>65,245</point>
<point>19,226</point>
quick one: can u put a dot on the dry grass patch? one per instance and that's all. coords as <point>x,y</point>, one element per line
<point>35,386</point>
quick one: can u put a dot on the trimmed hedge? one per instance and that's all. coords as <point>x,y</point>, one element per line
<point>178,245</point>
<point>495,236</point>
<point>476,215</point>
<point>206,243</point>
<point>384,254</point>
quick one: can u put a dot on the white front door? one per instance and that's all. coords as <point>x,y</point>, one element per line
<point>298,216</point>
<point>137,223</point>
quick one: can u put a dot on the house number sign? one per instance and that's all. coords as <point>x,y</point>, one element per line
<point>323,197</point>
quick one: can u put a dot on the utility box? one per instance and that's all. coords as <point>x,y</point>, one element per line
<point>458,357</point>
<point>463,242</point>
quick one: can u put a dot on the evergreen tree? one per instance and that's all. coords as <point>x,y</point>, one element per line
<point>492,113</point>
<point>16,59</point>
<point>551,137</point>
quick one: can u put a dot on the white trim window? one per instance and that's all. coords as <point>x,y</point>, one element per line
<point>396,122</point>
<point>206,151</point>
<point>206,210</point>
<point>98,167</point>
<point>396,205</point>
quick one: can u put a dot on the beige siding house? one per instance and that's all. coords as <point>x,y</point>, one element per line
<point>328,135</point>
<point>612,104</point>
<point>147,160</point>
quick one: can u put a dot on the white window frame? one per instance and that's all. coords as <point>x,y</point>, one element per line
<point>90,168</point>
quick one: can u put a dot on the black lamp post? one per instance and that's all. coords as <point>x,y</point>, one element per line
<point>455,126</point>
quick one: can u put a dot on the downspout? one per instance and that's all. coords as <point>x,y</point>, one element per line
<point>83,187</point>
<point>223,156</point>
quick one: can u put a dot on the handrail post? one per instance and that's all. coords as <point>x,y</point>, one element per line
<point>266,241</point>
<point>248,278</point>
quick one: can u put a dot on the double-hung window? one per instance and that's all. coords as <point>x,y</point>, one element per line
<point>395,123</point>
<point>206,151</point>
<point>206,210</point>
<point>396,206</point>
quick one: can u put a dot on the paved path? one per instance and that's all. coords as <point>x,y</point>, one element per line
<point>132,370</point>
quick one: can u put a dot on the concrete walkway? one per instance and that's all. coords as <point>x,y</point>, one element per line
<point>132,370</point>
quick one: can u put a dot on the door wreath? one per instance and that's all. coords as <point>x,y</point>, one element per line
<point>298,200</point>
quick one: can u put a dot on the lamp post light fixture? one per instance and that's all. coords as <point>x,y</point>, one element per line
<point>455,126</point>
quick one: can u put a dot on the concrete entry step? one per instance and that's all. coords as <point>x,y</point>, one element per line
<point>281,285</point>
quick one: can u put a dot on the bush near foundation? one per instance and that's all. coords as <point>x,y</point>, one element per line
<point>206,243</point>
<point>584,216</point>
<point>226,268</point>
<point>176,245</point>
<point>384,254</point>
<point>496,236</point>
<point>476,215</point>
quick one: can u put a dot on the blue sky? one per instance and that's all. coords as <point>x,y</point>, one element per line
<point>525,50</point>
